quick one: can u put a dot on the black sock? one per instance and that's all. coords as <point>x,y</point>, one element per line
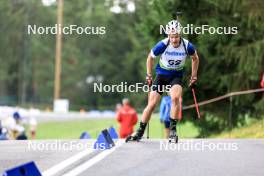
<point>173,123</point>
<point>142,125</point>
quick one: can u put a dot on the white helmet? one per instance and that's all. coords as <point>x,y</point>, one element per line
<point>173,27</point>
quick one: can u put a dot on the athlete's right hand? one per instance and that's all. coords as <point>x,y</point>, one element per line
<point>149,79</point>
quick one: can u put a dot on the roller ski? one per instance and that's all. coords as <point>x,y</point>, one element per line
<point>173,137</point>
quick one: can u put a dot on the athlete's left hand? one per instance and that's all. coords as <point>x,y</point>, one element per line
<point>192,82</point>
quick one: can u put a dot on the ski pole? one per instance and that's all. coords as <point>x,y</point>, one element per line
<point>148,130</point>
<point>196,104</point>
<point>148,121</point>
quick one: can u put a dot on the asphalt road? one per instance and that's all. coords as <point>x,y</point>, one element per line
<point>207,157</point>
<point>45,153</point>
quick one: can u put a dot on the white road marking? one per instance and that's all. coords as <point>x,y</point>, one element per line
<point>57,168</point>
<point>81,168</point>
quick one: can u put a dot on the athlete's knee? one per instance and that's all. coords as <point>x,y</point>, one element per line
<point>152,104</point>
<point>154,98</point>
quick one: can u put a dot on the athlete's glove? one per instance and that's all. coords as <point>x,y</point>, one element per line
<point>149,80</point>
<point>192,82</point>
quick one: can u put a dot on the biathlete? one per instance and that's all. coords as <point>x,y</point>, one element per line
<point>173,52</point>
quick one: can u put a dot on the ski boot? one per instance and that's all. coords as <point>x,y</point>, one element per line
<point>173,137</point>
<point>138,134</point>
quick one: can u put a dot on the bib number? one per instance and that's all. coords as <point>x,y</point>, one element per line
<point>174,62</point>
